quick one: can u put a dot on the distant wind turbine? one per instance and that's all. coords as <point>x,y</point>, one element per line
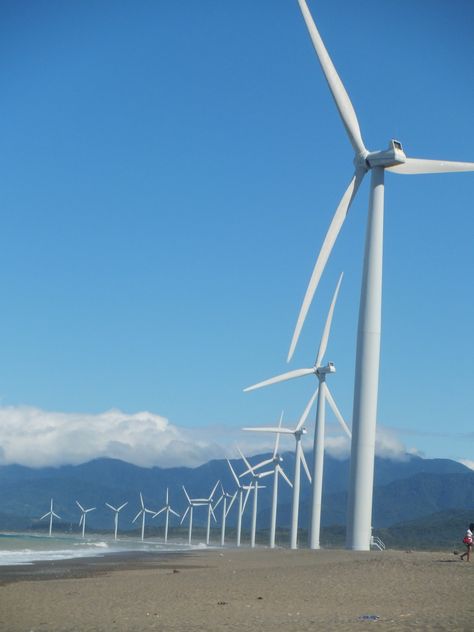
<point>364,416</point>
<point>200,502</point>
<point>255,486</point>
<point>297,432</point>
<point>276,461</point>
<point>143,511</point>
<point>323,394</point>
<point>168,510</point>
<point>242,502</point>
<point>84,512</point>
<point>226,507</point>
<point>116,510</point>
<point>50,514</point>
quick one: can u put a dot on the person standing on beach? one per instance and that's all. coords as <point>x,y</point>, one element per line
<point>468,542</point>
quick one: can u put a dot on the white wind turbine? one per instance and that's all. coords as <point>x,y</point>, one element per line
<point>168,510</point>
<point>226,507</point>
<point>275,460</point>
<point>84,512</point>
<point>323,394</point>
<point>242,502</point>
<point>255,486</point>
<point>116,510</point>
<point>143,511</point>
<point>368,337</point>
<point>51,514</point>
<point>200,502</point>
<point>297,432</point>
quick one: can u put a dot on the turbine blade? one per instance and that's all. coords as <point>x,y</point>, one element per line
<point>174,512</point>
<point>91,509</point>
<point>277,439</point>
<point>245,461</point>
<point>263,474</point>
<point>282,473</point>
<point>337,412</point>
<point>230,504</point>
<point>79,505</point>
<point>211,510</point>
<point>249,488</point>
<point>262,463</point>
<point>141,500</point>
<point>218,502</point>
<point>414,166</point>
<point>326,248</point>
<point>271,429</point>
<point>81,519</point>
<point>122,506</point>
<point>56,516</point>
<point>138,515</point>
<point>167,497</point>
<point>160,511</point>
<point>187,496</point>
<point>327,327</point>
<point>110,507</point>
<point>184,515</point>
<point>280,378</point>
<point>213,491</point>
<point>236,478</point>
<point>305,414</point>
<point>340,96</point>
<point>45,515</point>
<point>305,465</point>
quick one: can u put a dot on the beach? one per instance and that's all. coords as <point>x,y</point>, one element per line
<point>240,590</point>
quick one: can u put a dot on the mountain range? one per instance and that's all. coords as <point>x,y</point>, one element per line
<point>406,491</point>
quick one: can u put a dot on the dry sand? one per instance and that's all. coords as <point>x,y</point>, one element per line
<point>241,590</point>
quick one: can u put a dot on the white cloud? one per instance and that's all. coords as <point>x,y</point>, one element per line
<point>468,463</point>
<point>38,438</point>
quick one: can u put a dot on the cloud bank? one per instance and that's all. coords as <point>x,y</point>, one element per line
<point>38,438</point>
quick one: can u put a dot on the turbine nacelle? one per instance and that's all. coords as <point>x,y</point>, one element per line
<point>390,157</point>
<point>324,370</point>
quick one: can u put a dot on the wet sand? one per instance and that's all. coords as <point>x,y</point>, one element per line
<point>241,590</point>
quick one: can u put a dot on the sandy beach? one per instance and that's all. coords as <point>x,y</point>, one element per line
<point>240,590</point>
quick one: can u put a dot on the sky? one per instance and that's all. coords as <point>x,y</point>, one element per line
<point>168,174</point>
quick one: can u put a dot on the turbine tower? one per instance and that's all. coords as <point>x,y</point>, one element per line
<point>84,512</point>
<point>255,485</point>
<point>143,511</point>
<point>323,393</point>
<point>364,416</point>
<point>225,496</point>
<point>275,460</point>
<point>116,510</point>
<point>168,510</point>
<point>50,514</point>
<point>300,459</point>
<point>242,502</point>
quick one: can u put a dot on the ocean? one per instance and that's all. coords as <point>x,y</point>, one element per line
<point>27,548</point>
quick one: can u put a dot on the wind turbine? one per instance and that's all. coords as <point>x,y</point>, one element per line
<point>242,502</point>
<point>200,502</point>
<point>368,337</point>
<point>143,511</point>
<point>275,460</point>
<point>225,496</point>
<point>51,514</point>
<point>255,485</point>
<point>323,394</point>
<point>168,510</point>
<point>84,513</point>
<point>116,510</point>
<point>297,432</point>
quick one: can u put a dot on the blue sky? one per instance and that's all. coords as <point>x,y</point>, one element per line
<point>168,173</point>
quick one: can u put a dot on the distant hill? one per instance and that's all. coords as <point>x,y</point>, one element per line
<point>404,490</point>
